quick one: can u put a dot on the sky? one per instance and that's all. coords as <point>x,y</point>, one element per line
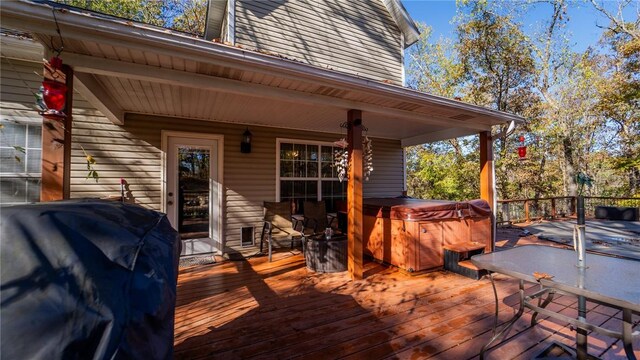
<point>583,18</point>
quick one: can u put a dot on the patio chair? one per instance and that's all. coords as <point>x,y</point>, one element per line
<point>278,226</point>
<point>315,217</point>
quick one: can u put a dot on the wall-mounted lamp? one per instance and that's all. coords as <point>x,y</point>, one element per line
<point>245,145</point>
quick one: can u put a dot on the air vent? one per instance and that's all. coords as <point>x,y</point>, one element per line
<point>461,117</point>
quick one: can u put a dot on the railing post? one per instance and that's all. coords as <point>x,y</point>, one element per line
<point>573,205</point>
<point>553,208</point>
<point>526,210</point>
<point>506,214</point>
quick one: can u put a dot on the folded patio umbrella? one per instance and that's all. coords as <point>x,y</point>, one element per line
<point>86,279</point>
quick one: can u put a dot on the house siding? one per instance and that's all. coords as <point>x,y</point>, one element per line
<point>354,36</point>
<point>19,79</point>
<point>133,151</point>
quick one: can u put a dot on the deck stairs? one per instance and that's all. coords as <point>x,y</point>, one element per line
<point>456,259</point>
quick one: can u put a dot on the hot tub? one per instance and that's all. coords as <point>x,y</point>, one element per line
<point>411,233</point>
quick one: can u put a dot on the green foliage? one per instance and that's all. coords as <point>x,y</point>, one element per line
<point>182,15</point>
<point>582,108</point>
<point>443,170</point>
<point>434,68</point>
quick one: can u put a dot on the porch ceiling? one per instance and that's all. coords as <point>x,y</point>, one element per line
<point>124,67</point>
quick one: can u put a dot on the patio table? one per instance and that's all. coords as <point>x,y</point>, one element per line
<point>606,280</point>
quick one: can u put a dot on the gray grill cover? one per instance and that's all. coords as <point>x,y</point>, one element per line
<point>87,279</point>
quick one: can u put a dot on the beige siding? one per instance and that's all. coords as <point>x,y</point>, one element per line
<point>133,152</point>
<point>19,80</point>
<point>353,36</point>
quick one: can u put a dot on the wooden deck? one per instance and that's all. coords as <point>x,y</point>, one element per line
<point>279,310</point>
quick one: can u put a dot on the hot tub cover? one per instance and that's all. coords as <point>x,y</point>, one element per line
<point>87,280</point>
<point>424,210</point>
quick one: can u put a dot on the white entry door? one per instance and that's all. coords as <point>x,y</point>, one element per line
<point>192,193</point>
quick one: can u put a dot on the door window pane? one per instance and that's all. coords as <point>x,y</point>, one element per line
<point>194,192</point>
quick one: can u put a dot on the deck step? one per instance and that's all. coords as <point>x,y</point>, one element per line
<point>468,264</point>
<point>456,259</point>
<point>465,247</point>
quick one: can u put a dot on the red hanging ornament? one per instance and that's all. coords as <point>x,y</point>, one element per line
<point>54,92</point>
<point>522,149</point>
<point>54,95</point>
<point>522,152</point>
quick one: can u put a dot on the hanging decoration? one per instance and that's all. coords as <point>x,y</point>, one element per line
<point>367,157</point>
<point>522,149</point>
<point>52,97</point>
<point>341,163</point>
<point>341,156</point>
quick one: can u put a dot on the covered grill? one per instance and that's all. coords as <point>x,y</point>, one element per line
<point>87,279</point>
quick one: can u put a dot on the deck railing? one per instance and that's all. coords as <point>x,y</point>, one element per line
<point>525,210</point>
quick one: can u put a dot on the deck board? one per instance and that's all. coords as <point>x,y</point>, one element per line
<point>280,310</point>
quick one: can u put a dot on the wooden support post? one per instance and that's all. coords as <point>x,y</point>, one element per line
<point>354,195</point>
<point>56,143</point>
<point>526,211</point>
<point>487,178</point>
<point>553,208</point>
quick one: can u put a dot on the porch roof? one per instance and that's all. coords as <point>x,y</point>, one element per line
<point>125,67</point>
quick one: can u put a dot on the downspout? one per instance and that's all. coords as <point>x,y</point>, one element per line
<point>495,204</point>
<point>404,171</point>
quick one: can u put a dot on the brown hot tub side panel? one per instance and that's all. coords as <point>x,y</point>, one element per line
<point>417,245</point>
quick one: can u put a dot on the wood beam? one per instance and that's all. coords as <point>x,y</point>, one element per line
<point>487,182</point>
<point>438,135</point>
<point>354,195</point>
<point>96,95</point>
<point>141,72</point>
<point>56,143</point>
<point>486,168</point>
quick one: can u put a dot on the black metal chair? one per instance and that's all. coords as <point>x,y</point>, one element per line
<point>315,217</point>
<point>278,226</point>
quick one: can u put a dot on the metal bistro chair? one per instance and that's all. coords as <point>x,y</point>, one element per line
<point>278,226</point>
<point>315,217</point>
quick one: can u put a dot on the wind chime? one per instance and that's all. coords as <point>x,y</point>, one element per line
<point>341,156</point>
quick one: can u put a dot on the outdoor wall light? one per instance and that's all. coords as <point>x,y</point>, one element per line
<point>245,145</point>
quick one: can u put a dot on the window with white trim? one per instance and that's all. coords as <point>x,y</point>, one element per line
<point>306,172</point>
<point>20,162</point>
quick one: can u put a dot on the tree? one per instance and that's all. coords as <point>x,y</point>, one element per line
<point>182,15</point>
<point>619,92</point>
<point>434,67</point>
<point>499,71</point>
<point>192,16</point>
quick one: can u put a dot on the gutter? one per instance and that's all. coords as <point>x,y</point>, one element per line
<point>30,16</point>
